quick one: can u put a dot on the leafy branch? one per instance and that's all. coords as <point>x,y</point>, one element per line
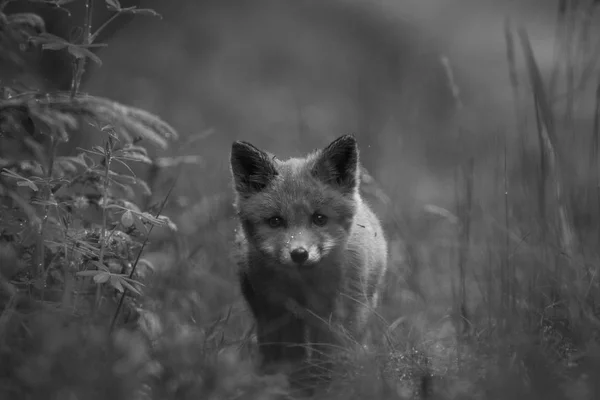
<point>115,5</point>
<point>56,112</point>
<point>80,211</point>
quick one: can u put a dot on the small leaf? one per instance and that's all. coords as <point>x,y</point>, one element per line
<point>54,46</point>
<point>146,11</point>
<point>114,267</point>
<point>144,267</point>
<point>130,287</point>
<point>128,191</point>
<point>153,220</point>
<point>116,282</point>
<point>12,174</point>
<point>150,323</point>
<point>101,267</point>
<point>113,5</point>
<point>79,160</point>
<point>101,277</point>
<point>107,128</point>
<point>65,166</point>
<point>127,219</point>
<point>147,264</point>
<point>29,20</point>
<point>82,52</point>
<point>50,202</point>
<point>28,183</point>
<point>129,147</point>
<point>139,225</point>
<point>130,156</point>
<point>130,206</point>
<point>50,42</point>
<point>144,186</point>
<point>141,11</point>
<point>88,273</point>
<point>170,224</point>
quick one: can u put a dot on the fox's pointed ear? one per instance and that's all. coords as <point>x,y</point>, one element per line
<point>337,164</point>
<point>252,169</point>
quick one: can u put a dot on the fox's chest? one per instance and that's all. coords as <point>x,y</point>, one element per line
<point>307,288</point>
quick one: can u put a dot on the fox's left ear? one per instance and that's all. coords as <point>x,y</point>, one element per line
<point>337,164</point>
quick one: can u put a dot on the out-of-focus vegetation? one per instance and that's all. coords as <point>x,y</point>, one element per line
<point>116,279</point>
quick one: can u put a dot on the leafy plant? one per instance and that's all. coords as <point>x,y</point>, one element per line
<point>71,229</point>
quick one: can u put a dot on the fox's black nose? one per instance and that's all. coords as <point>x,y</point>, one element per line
<point>299,255</point>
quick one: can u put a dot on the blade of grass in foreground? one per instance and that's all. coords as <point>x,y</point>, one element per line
<point>547,133</point>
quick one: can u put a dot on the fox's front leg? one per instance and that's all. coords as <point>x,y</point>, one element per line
<point>323,336</point>
<point>280,337</point>
<point>280,332</point>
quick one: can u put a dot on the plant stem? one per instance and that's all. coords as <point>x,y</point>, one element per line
<point>40,253</point>
<point>120,305</point>
<point>79,64</point>
<point>595,145</point>
<point>95,35</point>
<point>103,240</point>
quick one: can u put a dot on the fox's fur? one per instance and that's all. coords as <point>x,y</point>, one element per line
<point>312,254</point>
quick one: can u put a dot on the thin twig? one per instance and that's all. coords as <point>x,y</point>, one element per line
<point>95,35</point>
<point>559,44</point>
<point>103,239</point>
<point>546,131</point>
<point>79,64</point>
<point>137,259</point>
<point>595,152</point>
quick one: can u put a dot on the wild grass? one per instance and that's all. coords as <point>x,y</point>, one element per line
<point>496,298</point>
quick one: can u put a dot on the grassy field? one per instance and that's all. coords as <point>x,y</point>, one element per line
<point>118,286</point>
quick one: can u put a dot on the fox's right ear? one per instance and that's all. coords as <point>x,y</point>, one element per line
<point>337,164</point>
<point>252,168</point>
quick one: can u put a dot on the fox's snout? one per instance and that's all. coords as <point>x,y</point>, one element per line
<point>302,248</point>
<point>299,255</point>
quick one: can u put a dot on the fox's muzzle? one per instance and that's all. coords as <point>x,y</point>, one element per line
<point>299,255</point>
<point>303,249</point>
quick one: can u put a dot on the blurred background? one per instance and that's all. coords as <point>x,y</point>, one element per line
<point>405,76</point>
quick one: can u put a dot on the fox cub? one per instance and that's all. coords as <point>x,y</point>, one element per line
<point>312,254</point>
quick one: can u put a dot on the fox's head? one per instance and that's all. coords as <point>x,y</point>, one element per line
<point>298,211</point>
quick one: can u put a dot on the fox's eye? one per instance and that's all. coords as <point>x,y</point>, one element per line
<point>319,219</point>
<point>275,222</point>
